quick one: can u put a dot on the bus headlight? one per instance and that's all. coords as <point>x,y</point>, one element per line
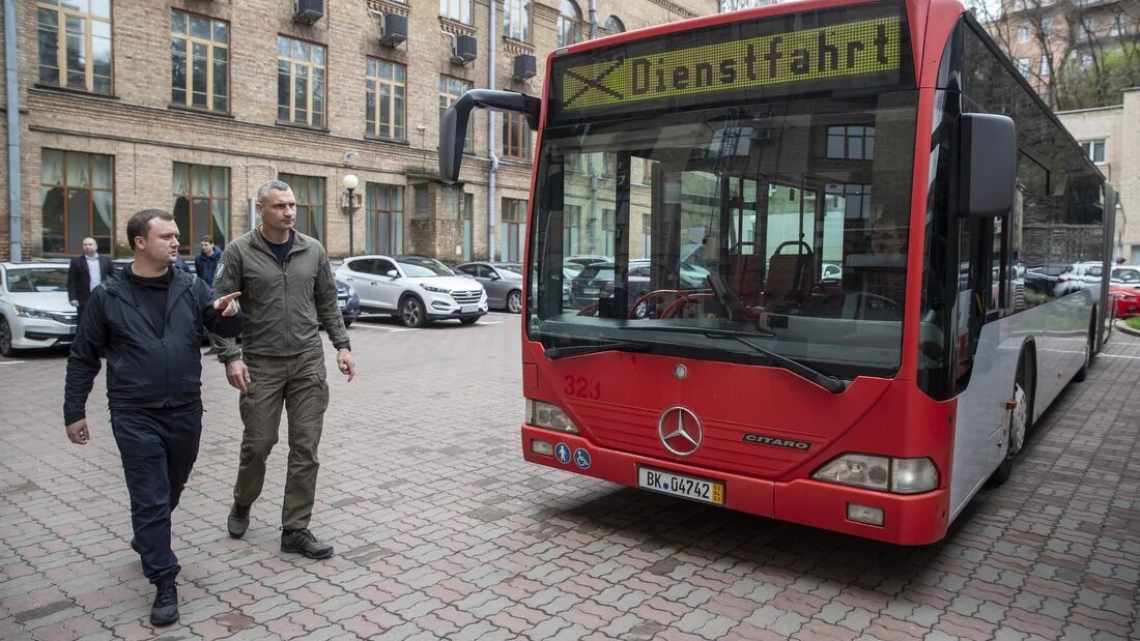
<point>882,473</point>
<point>913,475</point>
<point>550,416</point>
<point>860,470</point>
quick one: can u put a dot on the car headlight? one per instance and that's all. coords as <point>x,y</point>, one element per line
<point>550,416</point>
<point>28,312</point>
<point>434,289</point>
<point>881,473</point>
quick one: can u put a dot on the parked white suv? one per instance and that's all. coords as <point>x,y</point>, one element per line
<point>34,309</point>
<point>414,289</point>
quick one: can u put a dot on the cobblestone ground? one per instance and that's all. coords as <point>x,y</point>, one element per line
<point>442,531</point>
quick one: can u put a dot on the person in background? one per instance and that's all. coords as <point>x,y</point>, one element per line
<point>85,273</point>
<point>206,262</point>
<point>146,325</point>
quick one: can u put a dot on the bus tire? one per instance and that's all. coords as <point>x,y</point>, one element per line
<point>1090,352</point>
<point>1020,417</point>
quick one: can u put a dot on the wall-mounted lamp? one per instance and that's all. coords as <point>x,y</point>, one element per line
<point>350,183</point>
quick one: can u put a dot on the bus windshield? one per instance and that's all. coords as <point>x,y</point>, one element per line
<point>784,221</point>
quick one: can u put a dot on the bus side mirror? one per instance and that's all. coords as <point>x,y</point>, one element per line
<point>453,129</point>
<point>988,165</point>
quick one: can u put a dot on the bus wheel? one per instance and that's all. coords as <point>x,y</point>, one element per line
<point>1019,420</point>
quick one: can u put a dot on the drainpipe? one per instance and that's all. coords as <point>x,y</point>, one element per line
<point>493,49</point>
<point>593,19</point>
<point>11,60</point>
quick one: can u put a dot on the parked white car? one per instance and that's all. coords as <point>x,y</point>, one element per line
<point>414,289</point>
<point>34,309</point>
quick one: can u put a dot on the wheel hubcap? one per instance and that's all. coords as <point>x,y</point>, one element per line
<point>1018,419</point>
<point>513,303</point>
<point>411,313</point>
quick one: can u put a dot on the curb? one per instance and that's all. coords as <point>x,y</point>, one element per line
<point>1123,328</point>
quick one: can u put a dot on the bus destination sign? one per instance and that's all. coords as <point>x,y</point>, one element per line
<point>867,49</point>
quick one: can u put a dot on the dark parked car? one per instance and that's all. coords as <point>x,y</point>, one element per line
<point>502,281</point>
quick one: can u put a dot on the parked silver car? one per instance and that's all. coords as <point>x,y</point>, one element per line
<point>414,289</point>
<point>503,282</point>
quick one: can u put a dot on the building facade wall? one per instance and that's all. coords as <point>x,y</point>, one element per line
<point>146,134</point>
<point>1116,126</point>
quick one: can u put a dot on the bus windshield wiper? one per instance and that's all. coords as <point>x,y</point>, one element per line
<point>604,346</point>
<point>827,382</point>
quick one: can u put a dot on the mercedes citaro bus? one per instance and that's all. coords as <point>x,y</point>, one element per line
<point>824,237</point>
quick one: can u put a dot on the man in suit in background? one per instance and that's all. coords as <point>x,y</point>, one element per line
<point>85,273</point>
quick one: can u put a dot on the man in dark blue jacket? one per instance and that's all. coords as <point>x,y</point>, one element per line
<point>206,262</point>
<point>146,324</point>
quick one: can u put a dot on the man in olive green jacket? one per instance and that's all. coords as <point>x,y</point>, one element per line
<point>288,293</point>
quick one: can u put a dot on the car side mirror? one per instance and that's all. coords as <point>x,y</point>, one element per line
<point>495,276</point>
<point>391,273</point>
<point>987,165</point>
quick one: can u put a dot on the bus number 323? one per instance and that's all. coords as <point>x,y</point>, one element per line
<point>582,387</point>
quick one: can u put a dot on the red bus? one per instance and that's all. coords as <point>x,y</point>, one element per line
<point>804,261</point>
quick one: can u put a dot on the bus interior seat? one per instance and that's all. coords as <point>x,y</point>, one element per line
<point>790,276</point>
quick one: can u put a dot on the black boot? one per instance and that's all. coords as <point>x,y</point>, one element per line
<point>165,608</point>
<point>304,543</point>
<point>238,521</point>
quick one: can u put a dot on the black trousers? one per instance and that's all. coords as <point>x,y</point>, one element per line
<point>158,448</point>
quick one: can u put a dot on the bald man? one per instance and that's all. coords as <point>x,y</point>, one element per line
<point>85,273</point>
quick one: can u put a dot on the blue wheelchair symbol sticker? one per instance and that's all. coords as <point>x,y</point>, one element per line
<point>562,453</point>
<point>582,459</point>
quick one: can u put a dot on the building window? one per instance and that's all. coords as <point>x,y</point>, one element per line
<point>384,109</point>
<point>609,231</point>
<point>78,201</point>
<point>614,25</point>
<point>1086,61</point>
<point>1094,149</point>
<point>568,29</point>
<point>516,19</point>
<point>467,218</point>
<point>201,203</point>
<point>853,142</point>
<point>1047,25</point>
<point>571,224</point>
<point>512,230</point>
<point>853,201</point>
<point>385,221</point>
<point>516,136</point>
<point>199,62</point>
<point>300,82</point>
<point>647,234</point>
<point>456,10</point>
<point>1023,66</point>
<point>75,44</point>
<point>310,194</point>
<point>450,90</point>
<point>1117,26</point>
<point>1023,34</point>
<point>1044,67</point>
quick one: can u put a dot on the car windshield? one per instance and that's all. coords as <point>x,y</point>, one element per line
<point>37,279</point>
<point>423,267</point>
<point>786,221</point>
<point>509,270</point>
<point>1126,275</point>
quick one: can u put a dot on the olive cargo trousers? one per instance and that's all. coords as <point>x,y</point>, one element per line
<point>297,383</point>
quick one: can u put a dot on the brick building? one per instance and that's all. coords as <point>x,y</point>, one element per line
<point>189,105</point>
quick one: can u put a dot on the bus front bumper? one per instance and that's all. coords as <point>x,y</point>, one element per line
<point>907,520</point>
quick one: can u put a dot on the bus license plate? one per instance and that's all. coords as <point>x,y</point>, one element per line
<point>688,487</point>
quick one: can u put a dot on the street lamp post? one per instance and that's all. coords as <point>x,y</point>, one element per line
<point>350,183</point>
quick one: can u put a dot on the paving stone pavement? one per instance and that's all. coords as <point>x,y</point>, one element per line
<point>443,532</point>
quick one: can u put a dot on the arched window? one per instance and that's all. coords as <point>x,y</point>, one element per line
<point>614,25</point>
<point>569,23</point>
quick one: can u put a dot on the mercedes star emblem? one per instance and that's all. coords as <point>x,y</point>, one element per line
<point>680,430</point>
<point>680,371</point>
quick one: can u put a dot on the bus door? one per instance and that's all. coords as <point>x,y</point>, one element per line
<point>984,284</point>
